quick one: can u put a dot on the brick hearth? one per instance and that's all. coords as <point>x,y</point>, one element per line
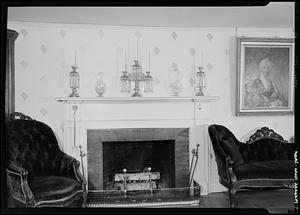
<point>96,137</point>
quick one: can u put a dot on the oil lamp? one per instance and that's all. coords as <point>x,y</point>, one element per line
<point>74,80</point>
<point>200,82</point>
<point>148,83</point>
<point>136,76</point>
<point>125,83</point>
<point>148,80</point>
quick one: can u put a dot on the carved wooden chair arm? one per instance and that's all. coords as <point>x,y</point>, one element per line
<point>229,169</point>
<point>19,116</point>
<point>79,175</point>
<point>70,167</point>
<point>229,162</point>
<point>17,182</point>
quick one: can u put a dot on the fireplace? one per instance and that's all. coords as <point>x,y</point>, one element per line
<point>91,122</point>
<point>137,157</point>
<point>165,150</point>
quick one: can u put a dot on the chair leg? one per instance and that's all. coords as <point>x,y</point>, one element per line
<point>84,199</point>
<point>232,197</point>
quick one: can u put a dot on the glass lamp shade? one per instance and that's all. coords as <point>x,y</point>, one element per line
<point>137,73</point>
<point>201,79</point>
<point>74,82</point>
<point>137,79</point>
<point>200,82</point>
<point>125,83</point>
<point>74,78</point>
<point>148,86</point>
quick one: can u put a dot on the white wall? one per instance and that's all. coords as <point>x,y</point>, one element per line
<point>274,14</point>
<point>45,52</point>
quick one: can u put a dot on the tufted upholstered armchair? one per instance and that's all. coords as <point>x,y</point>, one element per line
<point>39,174</point>
<point>265,160</point>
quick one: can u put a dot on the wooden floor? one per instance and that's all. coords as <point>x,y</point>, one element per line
<point>274,201</point>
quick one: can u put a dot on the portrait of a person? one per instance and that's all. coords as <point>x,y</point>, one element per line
<point>264,85</point>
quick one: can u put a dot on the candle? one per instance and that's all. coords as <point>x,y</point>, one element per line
<point>129,52</point>
<point>125,61</point>
<point>202,59</point>
<point>194,62</point>
<point>149,58</point>
<point>75,57</point>
<point>137,49</point>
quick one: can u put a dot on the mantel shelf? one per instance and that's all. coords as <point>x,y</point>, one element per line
<point>135,99</point>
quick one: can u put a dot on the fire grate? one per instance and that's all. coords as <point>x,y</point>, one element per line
<point>164,197</point>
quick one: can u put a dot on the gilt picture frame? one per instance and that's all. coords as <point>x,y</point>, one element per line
<point>265,76</point>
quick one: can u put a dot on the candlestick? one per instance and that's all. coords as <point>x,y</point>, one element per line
<point>135,74</point>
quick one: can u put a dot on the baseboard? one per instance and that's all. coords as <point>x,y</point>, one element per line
<point>215,185</point>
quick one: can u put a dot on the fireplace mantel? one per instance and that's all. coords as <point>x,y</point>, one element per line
<point>81,114</point>
<point>88,100</point>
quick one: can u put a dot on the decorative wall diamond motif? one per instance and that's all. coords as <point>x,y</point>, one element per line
<point>24,64</point>
<point>156,50</point>
<point>62,32</point>
<point>43,48</point>
<point>43,111</point>
<point>174,66</point>
<point>226,52</point>
<point>23,32</point>
<point>209,36</point>
<point>209,67</point>
<point>101,34</point>
<point>43,79</point>
<point>24,95</point>
<point>192,51</point>
<point>174,35</point>
<point>138,34</point>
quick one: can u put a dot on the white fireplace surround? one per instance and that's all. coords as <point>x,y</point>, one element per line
<point>144,112</point>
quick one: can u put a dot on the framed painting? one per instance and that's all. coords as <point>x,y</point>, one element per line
<point>265,74</point>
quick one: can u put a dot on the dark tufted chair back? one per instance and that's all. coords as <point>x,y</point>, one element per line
<point>266,149</point>
<point>217,134</point>
<point>256,150</point>
<point>33,146</point>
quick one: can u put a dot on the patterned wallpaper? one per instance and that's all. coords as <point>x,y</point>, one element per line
<point>45,53</point>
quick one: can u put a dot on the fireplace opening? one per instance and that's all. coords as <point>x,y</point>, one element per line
<point>136,157</point>
<point>165,150</point>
